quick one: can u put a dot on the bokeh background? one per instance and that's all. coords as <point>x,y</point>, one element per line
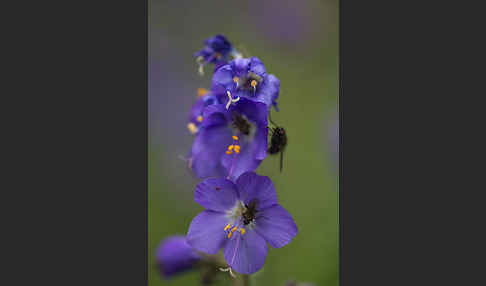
<point>298,42</point>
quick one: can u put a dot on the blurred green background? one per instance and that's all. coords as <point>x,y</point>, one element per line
<point>298,42</point>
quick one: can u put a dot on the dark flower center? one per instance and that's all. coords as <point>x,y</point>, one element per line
<point>250,82</point>
<point>249,212</point>
<point>240,123</point>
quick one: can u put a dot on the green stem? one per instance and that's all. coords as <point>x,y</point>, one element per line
<point>242,280</point>
<point>246,280</point>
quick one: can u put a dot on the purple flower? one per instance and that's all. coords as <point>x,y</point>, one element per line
<point>246,78</point>
<point>205,98</point>
<point>216,51</point>
<point>230,141</point>
<point>174,255</point>
<point>241,218</point>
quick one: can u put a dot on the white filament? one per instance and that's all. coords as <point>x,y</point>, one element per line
<point>230,99</point>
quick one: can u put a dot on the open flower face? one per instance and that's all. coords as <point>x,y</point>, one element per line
<point>230,141</point>
<point>247,78</point>
<point>175,256</point>
<point>241,218</point>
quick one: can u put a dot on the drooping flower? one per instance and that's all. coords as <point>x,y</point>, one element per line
<point>204,98</point>
<point>230,141</point>
<point>216,51</point>
<point>246,78</point>
<point>241,218</point>
<point>174,255</point>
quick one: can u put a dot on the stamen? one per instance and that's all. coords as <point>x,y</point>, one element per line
<point>202,92</point>
<point>226,270</point>
<point>199,118</point>
<point>200,61</point>
<point>192,128</point>
<point>229,151</point>
<point>254,84</point>
<point>230,233</point>
<point>235,80</point>
<point>230,99</point>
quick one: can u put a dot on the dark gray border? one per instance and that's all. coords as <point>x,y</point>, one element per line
<point>80,147</point>
<point>408,208</point>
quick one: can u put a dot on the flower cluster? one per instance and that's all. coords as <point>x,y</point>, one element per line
<point>229,122</point>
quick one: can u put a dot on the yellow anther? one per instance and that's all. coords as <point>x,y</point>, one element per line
<point>235,137</point>
<point>202,92</point>
<point>230,149</point>
<point>199,118</point>
<point>235,79</point>
<point>253,83</point>
<point>242,230</point>
<point>229,234</point>
<point>234,229</point>
<point>227,227</point>
<point>192,128</point>
<point>218,55</point>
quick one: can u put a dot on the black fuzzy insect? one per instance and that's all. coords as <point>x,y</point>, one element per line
<point>250,212</point>
<point>278,142</point>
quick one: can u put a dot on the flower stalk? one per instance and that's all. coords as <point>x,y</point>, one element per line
<point>242,216</point>
<point>242,280</point>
